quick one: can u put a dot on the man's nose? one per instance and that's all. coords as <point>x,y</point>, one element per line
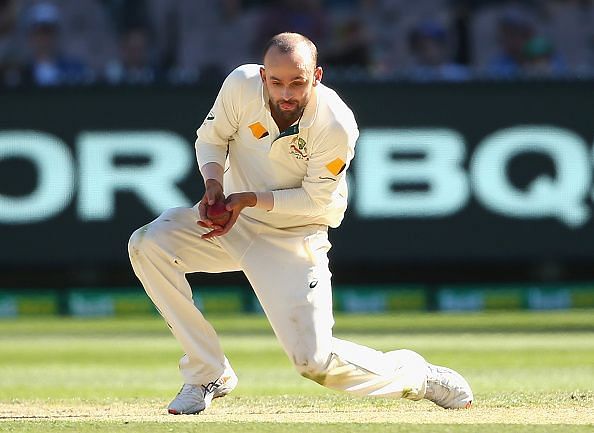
<point>286,93</point>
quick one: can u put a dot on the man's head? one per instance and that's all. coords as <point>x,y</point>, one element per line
<point>44,26</point>
<point>290,73</point>
<point>515,28</point>
<point>428,43</point>
<point>135,47</point>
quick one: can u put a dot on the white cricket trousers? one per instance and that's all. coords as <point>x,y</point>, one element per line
<point>288,270</point>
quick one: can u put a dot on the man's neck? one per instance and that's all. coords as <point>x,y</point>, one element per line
<point>282,123</point>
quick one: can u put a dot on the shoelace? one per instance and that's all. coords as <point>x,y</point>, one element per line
<point>210,387</point>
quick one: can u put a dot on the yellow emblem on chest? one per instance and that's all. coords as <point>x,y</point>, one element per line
<point>258,130</point>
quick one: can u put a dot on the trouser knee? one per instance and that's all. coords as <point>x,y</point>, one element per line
<point>148,241</point>
<point>406,357</point>
<point>412,369</point>
<point>155,237</point>
<point>138,242</point>
<point>313,368</point>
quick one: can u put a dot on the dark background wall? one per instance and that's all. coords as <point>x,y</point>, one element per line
<point>451,182</point>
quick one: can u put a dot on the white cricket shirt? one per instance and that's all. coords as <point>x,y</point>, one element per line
<point>304,167</point>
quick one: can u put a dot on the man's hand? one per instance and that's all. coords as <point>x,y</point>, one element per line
<point>235,203</point>
<point>212,194</point>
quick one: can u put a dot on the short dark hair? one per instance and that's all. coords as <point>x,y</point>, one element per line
<point>287,42</point>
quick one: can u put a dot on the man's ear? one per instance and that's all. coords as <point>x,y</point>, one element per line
<point>318,72</point>
<point>263,74</point>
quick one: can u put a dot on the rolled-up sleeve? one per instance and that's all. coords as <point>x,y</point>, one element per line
<point>324,186</point>
<point>222,121</point>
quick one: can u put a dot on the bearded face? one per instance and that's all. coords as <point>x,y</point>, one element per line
<point>289,79</point>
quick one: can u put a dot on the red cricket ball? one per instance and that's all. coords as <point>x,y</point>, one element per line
<point>218,214</point>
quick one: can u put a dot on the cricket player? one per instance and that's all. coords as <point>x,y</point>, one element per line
<point>275,148</point>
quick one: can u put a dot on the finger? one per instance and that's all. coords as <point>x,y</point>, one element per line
<point>230,223</point>
<point>208,224</point>
<point>205,223</point>
<point>211,234</point>
<point>213,195</point>
<point>231,205</point>
<point>230,202</point>
<point>202,210</point>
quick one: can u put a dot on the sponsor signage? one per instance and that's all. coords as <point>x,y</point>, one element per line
<point>493,179</point>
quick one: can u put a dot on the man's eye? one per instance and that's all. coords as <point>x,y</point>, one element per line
<point>298,84</point>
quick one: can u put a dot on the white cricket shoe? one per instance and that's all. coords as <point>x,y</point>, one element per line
<point>192,399</point>
<point>447,389</point>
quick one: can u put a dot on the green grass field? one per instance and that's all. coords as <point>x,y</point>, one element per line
<point>531,372</point>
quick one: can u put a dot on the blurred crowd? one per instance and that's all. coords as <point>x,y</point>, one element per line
<point>65,42</point>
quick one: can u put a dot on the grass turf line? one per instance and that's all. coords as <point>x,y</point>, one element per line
<point>187,427</point>
<point>524,368</point>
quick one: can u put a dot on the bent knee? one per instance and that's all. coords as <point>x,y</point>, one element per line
<point>156,236</point>
<point>412,368</point>
<point>406,357</point>
<point>147,239</point>
<point>314,368</point>
<point>136,241</point>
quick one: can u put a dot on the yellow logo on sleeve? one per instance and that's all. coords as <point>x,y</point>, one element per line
<point>336,167</point>
<point>258,130</point>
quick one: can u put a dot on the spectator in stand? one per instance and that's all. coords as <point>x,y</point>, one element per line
<point>429,47</point>
<point>9,52</point>
<point>350,47</point>
<point>47,65</point>
<point>570,25</point>
<point>540,59</point>
<point>515,29</point>
<point>301,16</point>
<point>135,64</point>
